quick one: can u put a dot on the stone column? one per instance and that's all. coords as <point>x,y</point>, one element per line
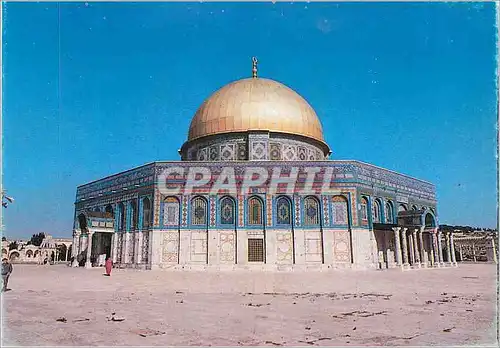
<point>452,250</point>
<point>138,243</point>
<point>474,252</point>
<point>114,247</point>
<point>399,257</point>
<point>435,248</point>
<point>126,245</point>
<point>423,259</point>
<point>412,250</point>
<point>494,249</point>
<point>448,247</point>
<point>431,249</point>
<point>460,252</point>
<point>76,249</point>
<point>404,247</point>
<point>416,251</point>
<point>88,264</point>
<point>440,248</point>
<point>67,254</point>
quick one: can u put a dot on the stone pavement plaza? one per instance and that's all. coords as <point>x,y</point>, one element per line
<point>58,305</point>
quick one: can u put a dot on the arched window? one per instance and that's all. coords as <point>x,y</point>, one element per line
<point>121,221</point>
<point>171,211</point>
<point>255,211</point>
<point>311,211</point>
<point>401,207</point>
<point>283,211</point>
<point>146,213</point>
<point>29,253</point>
<point>429,220</point>
<point>97,209</point>
<point>199,211</point>
<point>414,207</point>
<point>339,206</point>
<point>109,210</point>
<point>227,211</point>
<point>82,221</point>
<point>389,213</point>
<point>364,210</point>
<point>377,211</point>
<point>133,215</point>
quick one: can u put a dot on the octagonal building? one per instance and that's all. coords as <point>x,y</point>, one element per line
<point>255,189</point>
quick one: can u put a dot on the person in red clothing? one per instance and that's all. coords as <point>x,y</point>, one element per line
<point>109,266</point>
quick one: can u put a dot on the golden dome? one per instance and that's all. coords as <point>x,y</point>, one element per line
<point>255,104</point>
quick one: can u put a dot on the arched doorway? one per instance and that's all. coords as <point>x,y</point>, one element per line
<point>14,256</point>
<point>61,252</point>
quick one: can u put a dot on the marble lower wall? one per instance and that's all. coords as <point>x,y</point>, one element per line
<point>227,249</point>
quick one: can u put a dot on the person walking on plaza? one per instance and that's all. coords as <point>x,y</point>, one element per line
<point>109,266</point>
<point>6,271</point>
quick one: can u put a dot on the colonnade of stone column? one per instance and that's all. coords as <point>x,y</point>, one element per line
<point>410,248</point>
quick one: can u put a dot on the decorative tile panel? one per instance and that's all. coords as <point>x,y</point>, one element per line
<point>341,246</point>
<point>269,210</point>
<point>170,247</point>
<point>297,211</point>
<point>241,211</point>
<point>145,247</point>
<point>326,211</point>
<point>227,247</point>
<point>184,215</point>
<point>284,244</point>
<point>213,211</point>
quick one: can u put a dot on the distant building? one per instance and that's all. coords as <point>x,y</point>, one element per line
<point>476,246</point>
<point>59,249</point>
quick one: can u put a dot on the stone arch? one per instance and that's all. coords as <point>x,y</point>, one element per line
<point>402,207</point>
<point>377,210</point>
<point>14,255</point>
<point>109,210</point>
<point>414,207</point>
<point>82,221</point>
<point>364,210</point>
<point>389,212</point>
<point>430,220</point>
<point>29,254</point>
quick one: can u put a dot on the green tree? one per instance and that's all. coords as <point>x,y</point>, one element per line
<point>4,239</point>
<point>13,245</point>
<point>37,239</point>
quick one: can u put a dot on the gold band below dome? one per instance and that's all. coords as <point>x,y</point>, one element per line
<point>255,104</point>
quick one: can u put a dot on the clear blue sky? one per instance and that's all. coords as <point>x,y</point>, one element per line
<point>91,90</point>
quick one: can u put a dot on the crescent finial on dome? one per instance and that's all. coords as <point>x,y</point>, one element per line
<point>254,67</point>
